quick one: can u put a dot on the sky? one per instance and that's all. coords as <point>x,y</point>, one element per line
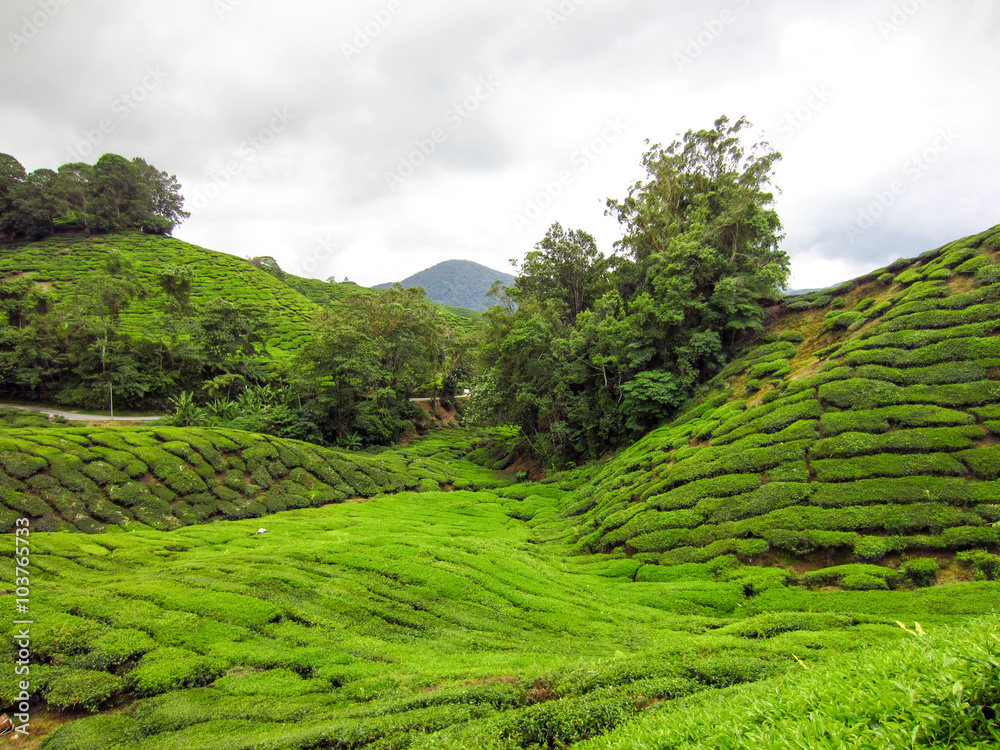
<point>370,140</point>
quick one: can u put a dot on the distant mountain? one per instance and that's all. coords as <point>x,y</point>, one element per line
<point>458,283</point>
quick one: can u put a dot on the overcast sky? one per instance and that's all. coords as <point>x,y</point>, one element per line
<point>371,140</point>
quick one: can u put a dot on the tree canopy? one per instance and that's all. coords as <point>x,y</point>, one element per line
<point>592,351</point>
<point>114,194</point>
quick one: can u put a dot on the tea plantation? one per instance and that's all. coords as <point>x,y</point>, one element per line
<point>55,264</point>
<point>114,479</point>
<point>805,558</point>
<point>836,441</point>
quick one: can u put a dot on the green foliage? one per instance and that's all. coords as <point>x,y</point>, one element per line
<point>83,688</point>
<point>985,564</point>
<point>164,465</point>
<point>591,358</point>
<point>854,572</point>
<point>922,571</point>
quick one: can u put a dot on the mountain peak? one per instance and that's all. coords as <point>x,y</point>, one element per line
<point>458,283</point>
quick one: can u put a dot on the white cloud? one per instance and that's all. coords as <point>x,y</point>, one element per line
<point>887,94</point>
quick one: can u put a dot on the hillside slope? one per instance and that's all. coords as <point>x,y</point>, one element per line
<point>129,478</point>
<point>865,425</point>
<point>457,283</point>
<point>57,263</point>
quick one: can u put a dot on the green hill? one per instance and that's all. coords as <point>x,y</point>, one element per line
<point>57,263</point>
<point>97,480</point>
<point>457,283</point>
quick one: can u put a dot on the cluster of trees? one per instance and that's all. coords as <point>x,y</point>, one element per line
<point>114,194</point>
<point>351,382</point>
<point>588,351</point>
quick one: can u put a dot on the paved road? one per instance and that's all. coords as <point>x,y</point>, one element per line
<point>72,415</point>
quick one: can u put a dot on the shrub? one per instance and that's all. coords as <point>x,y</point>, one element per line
<point>860,393</point>
<point>837,573</point>
<point>168,668</point>
<point>985,564</point>
<point>83,688</point>
<point>864,582</point>
<point>689,494</point>
<point>882,419</point>
<point>972,265</point>
<point>924,439</point>
<point>96,733</point>
<point>983,462</point>
<point>904,490</point>
<point>989,513</point>
<point>770,497</point>
<point>843,320</point>
<point>793,471</point>
<point>172,471</point>
<point>962,537</point>
<point>767,419</point>
<point>910,276</point>
<point>922,571</point>
<point>988,274</point>
<point>886,465</point>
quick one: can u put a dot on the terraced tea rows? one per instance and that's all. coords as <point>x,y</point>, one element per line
<point>430,620</point>
<point>97,480</point>
<point>868,431</point>
<point>57,263</point>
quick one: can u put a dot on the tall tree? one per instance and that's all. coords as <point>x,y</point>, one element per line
<point>12,174</point>
<point>164,202</point>
<point>118,194</point>
<point>71,192</point>
<point>699,257</point>
<point>35,204</point>
<point>565,267</point>
<point>233,331</point>
<point>587,354</point>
